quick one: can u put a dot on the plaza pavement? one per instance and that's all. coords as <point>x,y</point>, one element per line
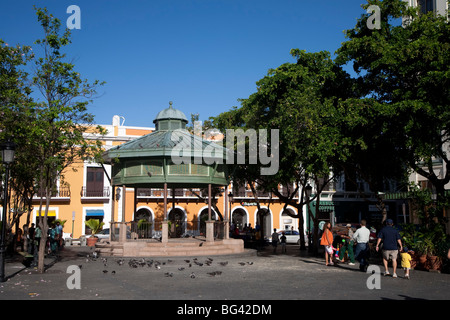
<point>250,276</point>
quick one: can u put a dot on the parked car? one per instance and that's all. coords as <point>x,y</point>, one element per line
<point>292,236</point>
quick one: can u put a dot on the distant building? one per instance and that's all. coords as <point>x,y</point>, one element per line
<point>439,7</point>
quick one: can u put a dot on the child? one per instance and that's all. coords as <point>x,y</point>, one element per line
<point>406,261</point>
<point>283,243</point>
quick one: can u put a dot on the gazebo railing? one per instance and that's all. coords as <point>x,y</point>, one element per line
<point>142,231</point>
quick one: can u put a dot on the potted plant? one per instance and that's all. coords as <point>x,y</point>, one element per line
<point>96,226</point>
<point>410,238</point>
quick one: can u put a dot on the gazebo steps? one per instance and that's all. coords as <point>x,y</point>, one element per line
<point>171,248</point>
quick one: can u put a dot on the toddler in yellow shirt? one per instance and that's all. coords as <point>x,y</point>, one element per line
<point>406,261</point>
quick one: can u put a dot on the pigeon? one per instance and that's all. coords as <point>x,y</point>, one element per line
<point>187,261</point>
<point>80,266</point>
<point>120,262</point>
<point>215,273</point>
<point>210,259</point>
<point>242,263</point>
<point>250,263</point>
<point>168,274</point>
<point>200,244</point>
<point>113,272</point>
<point>192,275</point>
<point>105,271</point>
<point>157,267</point>
<point>223,263</point>
<point>181,269</point>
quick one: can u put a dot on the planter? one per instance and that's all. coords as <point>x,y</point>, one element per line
<point>434,263</point>
<point>423,262</point>
<point>414,261</point>
<point>91,241</point>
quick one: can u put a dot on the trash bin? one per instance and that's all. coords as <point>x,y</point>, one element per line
<point>68,242</point>
<point>82,241</point>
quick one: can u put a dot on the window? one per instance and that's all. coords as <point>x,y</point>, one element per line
<point>426,5</point>
<point>94,182</point>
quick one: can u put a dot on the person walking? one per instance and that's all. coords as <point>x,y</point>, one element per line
<point>327,242</point>
<point>283,242</point>
<point>406,261</point>
<point>361,238</point>
<point>31,234</point>
<point>275,240</point>
<point>391,243</point>
<point>348,246</point>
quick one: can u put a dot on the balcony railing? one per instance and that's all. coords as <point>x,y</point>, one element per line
<point>159,193</point>
<point>100,193</point>
<point>62,192</point>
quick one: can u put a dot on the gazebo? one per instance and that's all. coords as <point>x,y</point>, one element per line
<point>169,157</point>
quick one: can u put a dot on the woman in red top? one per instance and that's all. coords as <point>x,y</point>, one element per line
<point>327,242</point>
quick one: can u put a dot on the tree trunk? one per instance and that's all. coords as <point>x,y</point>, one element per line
<point>44,230</point>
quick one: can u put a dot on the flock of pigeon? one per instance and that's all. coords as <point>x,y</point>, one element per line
<point>151,263</point>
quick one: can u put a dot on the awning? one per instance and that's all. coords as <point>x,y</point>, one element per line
<point>95,213</point>
<point>50,213</point>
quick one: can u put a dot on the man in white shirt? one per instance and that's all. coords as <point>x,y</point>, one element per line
<point>361,237</point>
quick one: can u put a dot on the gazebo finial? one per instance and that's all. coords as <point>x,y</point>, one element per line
<point>170,104</point>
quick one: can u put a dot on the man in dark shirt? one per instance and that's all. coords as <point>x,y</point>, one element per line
<point>391,240</point>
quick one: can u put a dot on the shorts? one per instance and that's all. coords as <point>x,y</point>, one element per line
<point>390,254</point>
<point>329,249</point>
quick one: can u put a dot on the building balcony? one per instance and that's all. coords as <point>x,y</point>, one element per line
<point>177,193</point>
<point>61,194</point>
<point>95,194</point>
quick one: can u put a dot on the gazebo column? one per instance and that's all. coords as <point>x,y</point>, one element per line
<point>209,223</point>
<point>123,225</point>
<point>165,223</point>
<point>112,235</point>
<point>226,225</point>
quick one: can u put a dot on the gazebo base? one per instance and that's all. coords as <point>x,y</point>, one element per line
<point>173,248</point>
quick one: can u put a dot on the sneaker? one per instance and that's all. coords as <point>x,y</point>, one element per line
<point>394,275</point>
<point>351,264</point>
<point>386,273</point>
<point>407,276</point>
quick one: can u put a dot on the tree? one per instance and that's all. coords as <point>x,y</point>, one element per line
<point>301,100</point>
<point>16,112</point>
<point>62,117</point>
<point>404,68</point>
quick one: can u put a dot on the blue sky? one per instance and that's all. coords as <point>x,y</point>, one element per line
<point>203,55</point>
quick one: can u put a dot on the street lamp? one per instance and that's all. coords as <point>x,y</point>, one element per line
<point>308,191</point>
<point>7,150</point>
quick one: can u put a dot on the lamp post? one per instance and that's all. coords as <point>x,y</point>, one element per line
<point>73,222</point>
<point>308,191</point>
<point>7,150</point>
